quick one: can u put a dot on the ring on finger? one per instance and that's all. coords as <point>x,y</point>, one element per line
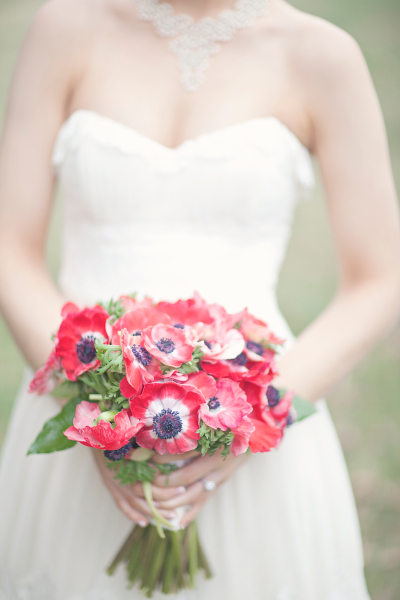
<point>209,485</point>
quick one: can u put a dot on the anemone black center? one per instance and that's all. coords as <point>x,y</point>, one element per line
<point>167,424</point>
<point>240,360</point>
<point>137,332</point>
<point>142,355</point>
<point>213,403</point>
<point>118,454</point>
<point>179,326</point>
<point>272,396</point>
<point>165,345</point>
<point>256,348</point>
<point>85,349</point>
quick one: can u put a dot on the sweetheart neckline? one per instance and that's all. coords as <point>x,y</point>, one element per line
<point>189,141</point>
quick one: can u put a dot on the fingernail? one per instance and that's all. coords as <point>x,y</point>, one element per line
<point>156,503</point>
<point>181,489</point>
<point>142,523</point>
<point>171,515</point>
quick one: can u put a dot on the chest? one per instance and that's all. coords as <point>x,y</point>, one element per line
<point>133,76</point>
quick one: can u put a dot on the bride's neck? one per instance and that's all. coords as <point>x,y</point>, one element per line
<point>201,8</point>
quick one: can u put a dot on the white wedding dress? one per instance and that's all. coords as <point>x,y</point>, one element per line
<point>212,215</point>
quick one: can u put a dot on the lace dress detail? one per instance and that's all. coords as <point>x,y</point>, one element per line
<point>196,42</point>
<point>138,216</point>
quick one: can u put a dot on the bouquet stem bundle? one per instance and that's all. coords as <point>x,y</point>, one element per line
<point>169,564</point>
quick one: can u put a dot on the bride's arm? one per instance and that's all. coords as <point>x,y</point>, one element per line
<point>351,147</point>
<point>29,300</point>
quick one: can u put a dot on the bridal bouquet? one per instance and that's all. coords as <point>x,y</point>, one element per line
<point>143,379</point>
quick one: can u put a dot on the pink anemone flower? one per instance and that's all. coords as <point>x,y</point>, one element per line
<point>227,408</point>
<point>130,303</point>
<point>223,345</point>
<point>102,435</point>
<point>47,377</point>
<point>241,437</point>
<point>185,312</point>
<point>204,383</point>
<point>134,321</point>
<point>242,369</point>
<point>76,339</point>
<point>169,413</point>
<point>168,344</point>
<point>278,407</point>
<point>257,331</point>
<point>141,367</point>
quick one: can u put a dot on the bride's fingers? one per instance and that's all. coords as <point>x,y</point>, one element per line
<point>196,492</point>
<point>125,506</point>
<point>141,504</point>
<point>167,458</point>
<point>192,495</point>
<point>193,472</point>
<point>192,513</point>
<point>159,493</point>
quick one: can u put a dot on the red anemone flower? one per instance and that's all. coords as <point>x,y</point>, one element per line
<point>76,339</point>
<point>47,377</point>
<point>102,435</point>
<point>169,413</point>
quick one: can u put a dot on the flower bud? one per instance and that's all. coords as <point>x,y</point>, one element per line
<point>108,416</point>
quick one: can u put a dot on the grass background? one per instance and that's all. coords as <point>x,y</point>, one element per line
<point>366,406</point>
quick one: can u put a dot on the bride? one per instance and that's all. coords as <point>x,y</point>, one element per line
<point>180,135</point>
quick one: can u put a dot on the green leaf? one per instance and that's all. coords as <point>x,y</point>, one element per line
<point>303,408</point>
<point>52,438</point>
<point>66,389</point>
<point>129,472</point>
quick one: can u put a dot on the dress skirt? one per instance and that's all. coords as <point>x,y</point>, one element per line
<point>284,527</point>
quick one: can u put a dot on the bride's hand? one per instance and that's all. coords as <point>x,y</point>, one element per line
<point>185,487</point>
<point>132,504</point>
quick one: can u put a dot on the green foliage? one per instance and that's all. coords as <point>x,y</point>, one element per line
<point>129,472</point>
<point>114,309</point>
<point>111,358</point>
<point>212,440</point>
<point>303,408</point>
<point>67,389</point>
<point>52,438</point>
<point>105,385</point>
<point>193,365</point>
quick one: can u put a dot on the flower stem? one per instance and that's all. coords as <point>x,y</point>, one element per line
<point>159,518</point>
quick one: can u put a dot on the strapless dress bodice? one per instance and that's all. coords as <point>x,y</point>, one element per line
<point>212,215</point>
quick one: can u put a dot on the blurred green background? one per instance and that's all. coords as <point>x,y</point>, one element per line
<point>365,407</point>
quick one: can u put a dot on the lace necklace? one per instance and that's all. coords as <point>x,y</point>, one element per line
<point>195,42</point>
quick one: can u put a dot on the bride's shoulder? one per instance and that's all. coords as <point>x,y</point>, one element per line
<point>59,21</point>
<point>317,48</point>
